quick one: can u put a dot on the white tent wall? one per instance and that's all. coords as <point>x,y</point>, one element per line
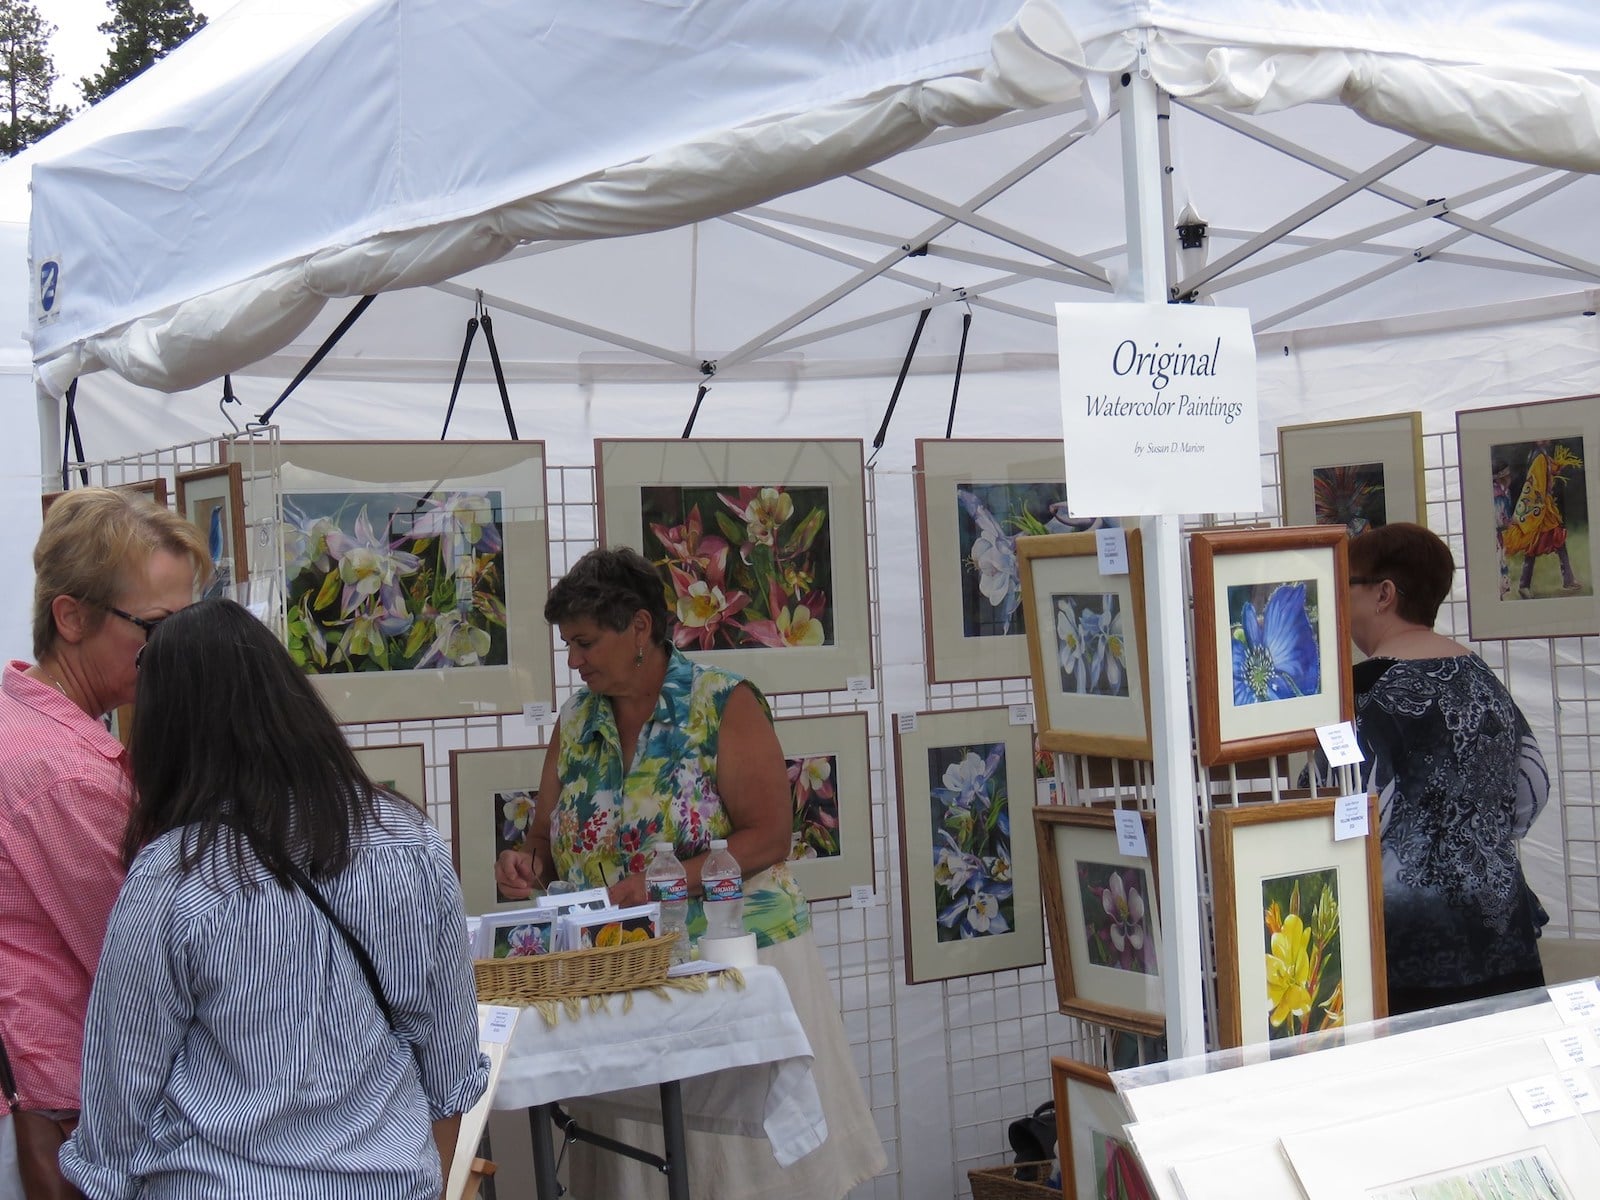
<point>20,449</point>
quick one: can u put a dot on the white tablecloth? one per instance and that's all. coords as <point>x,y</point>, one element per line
<point>742,1057</point>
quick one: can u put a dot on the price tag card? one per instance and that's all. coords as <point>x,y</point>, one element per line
<point>1543,1100</point>
<point>496,1024</point>
<point>1130,834</point>
<point>1350,817</point>
<point>1580,1086</point>
<point>862,896</point>
<point>858,685</point>
<point>1111,550</point>
<point>1578,1003</point>
<point>536,714</point>
<point>906,722</point>
<point>1573,1047</point>
<point>1022,714</point>
<point>1339,744</point>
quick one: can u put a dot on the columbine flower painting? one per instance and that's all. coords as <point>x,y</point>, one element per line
<point>513,813</point>
<point>1305,969</point>
<point>1114,900</point>
<point>971,811</point>
<point>991,517</point>
<point>1090,645</point>
<point>742,567</point>
<point>523,940</point>
<point>1276,653</point>
<point>394,581</point>
<point>1351,496</point>
<point>813,789</point>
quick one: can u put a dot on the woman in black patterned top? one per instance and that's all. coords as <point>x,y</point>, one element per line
<point>1459,779</point>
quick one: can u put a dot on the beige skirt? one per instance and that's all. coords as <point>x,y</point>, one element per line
<point>731,1167</point>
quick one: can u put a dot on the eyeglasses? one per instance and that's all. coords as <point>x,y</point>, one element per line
<point>1374,581</point>
<point>147,624</point>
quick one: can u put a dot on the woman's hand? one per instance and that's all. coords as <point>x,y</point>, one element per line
<point>628,890</point>
<point>513,874</point>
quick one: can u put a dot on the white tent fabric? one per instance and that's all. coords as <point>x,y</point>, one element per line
<point>415,140</point>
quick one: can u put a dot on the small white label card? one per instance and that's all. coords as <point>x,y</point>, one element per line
<point>905,722</point>
<point>862,896</point>
<point>536,714</point>
<point>1543,1100</point>
<point>1580,1086</point>
<point>858,685</point>
<point>1339,744</point>
<point>1573,1047</point>
<point>497,1023</point>
<point>1111,550</point>
<point>1578,1003</point>
<point>1350,817</point>
<point>1022,714</point>
<point>1130,834</point>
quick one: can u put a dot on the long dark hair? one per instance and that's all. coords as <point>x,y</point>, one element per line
<point>230,734</point>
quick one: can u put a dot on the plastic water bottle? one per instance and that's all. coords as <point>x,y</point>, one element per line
<point>723,884</point>
<point>666,884</point>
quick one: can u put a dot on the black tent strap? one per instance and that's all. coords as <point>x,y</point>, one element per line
<point>888,413</point>
<point>695,411</point>
<point>72,440</point>
<point>499,376</point>
<point>315,360</point>
<point>480,317</point>
<point>955,388</point>
<point>461,369</point>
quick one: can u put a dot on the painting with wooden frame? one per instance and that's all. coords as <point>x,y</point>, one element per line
<point>1298,921</point>
<point>153,490</point>
<point>1102,910</point>
<point>402,769</point>
<point>212,499</point>
<point>1358,474</point>
<point>830,790</point>
<point>1271,639</point>
<point>492,796</point>
<point>968,868</point>
<point>1086,646</point>
<point>1097,1161</point>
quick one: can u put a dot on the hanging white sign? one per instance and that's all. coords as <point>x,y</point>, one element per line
<point>1158,409</point>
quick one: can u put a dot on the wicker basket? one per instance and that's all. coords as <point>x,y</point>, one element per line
<point>1024,1181</point>
<point>573,973</point>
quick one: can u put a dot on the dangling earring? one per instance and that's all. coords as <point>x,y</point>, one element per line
<point>638,657</point>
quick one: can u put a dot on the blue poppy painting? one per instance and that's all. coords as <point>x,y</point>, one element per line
<point>1276,649</point>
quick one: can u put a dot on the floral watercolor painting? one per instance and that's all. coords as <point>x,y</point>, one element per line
<point>743,567</point>
<point>524,940</point>
<point>971,811</point>
<point>1305,968</point>
<point>513,812</point>
<point>1117,1173</point>
<point>1114,917</point>
<point>1351,496</point>
<point>813,789</point>
<point>990,518</point>
<point>394,581</point>
<point>1276,654</point>
<point>1531,1175</point>
<point>1090,645</point>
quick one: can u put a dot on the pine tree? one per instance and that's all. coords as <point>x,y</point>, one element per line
<point>27,73</point>
<point>141,32</point>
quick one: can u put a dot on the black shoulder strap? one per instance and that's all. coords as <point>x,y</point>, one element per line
<point>363,959</point>
<point>8,1081</point>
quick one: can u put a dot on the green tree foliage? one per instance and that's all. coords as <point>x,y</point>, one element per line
<point>141,32</point>
<point>27,73</point>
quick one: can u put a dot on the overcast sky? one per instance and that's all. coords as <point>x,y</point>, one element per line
<point>79,48</point>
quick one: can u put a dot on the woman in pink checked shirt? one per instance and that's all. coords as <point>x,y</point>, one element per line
<point>108,568</point>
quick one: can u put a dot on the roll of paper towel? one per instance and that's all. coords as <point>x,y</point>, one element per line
<point>733,951</point>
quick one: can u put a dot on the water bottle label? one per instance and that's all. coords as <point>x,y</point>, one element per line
<point>665,891</point>
<point>724,889</point>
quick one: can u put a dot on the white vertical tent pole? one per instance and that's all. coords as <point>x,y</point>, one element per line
<point>1144,183</point>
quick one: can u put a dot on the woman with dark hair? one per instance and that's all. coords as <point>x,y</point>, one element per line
<point>654,748</point>
<point>1459,779</point>
<point>284,1004</point>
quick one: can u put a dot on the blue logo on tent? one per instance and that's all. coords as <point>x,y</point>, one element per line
<point>49,274</point>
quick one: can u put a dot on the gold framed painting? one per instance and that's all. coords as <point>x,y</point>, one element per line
<point>212,499</point>
<point>830,789</point>
<point>1528,499</point>
<point>1359,474</point>
<point>415,575</point>
<point>968,868</point>
<point>1097,1163</point>
<point>1271,639</point>
<point>1104,918</point>
<point>1298,921</point>
<point>1086,646</point>
<point>492,796</point>
<point>402,769</point>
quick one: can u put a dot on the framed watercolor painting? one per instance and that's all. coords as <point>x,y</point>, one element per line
<point>975,497</point>
<point>1529,493</point>
<point>830,786</point>
<point>761,546</point>
<point>401,769</point>
<point>1359,474</point>
<point>1271,639</point>
<point>415,575</point>
<point>492,794</point>
<point>154,490</point>
<point>1097,1161</point>
<point>968,869</point>
<point>212,498</point>
<point>1299,921</point>
<point>1086,646</point>
<point>1101,908</point>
